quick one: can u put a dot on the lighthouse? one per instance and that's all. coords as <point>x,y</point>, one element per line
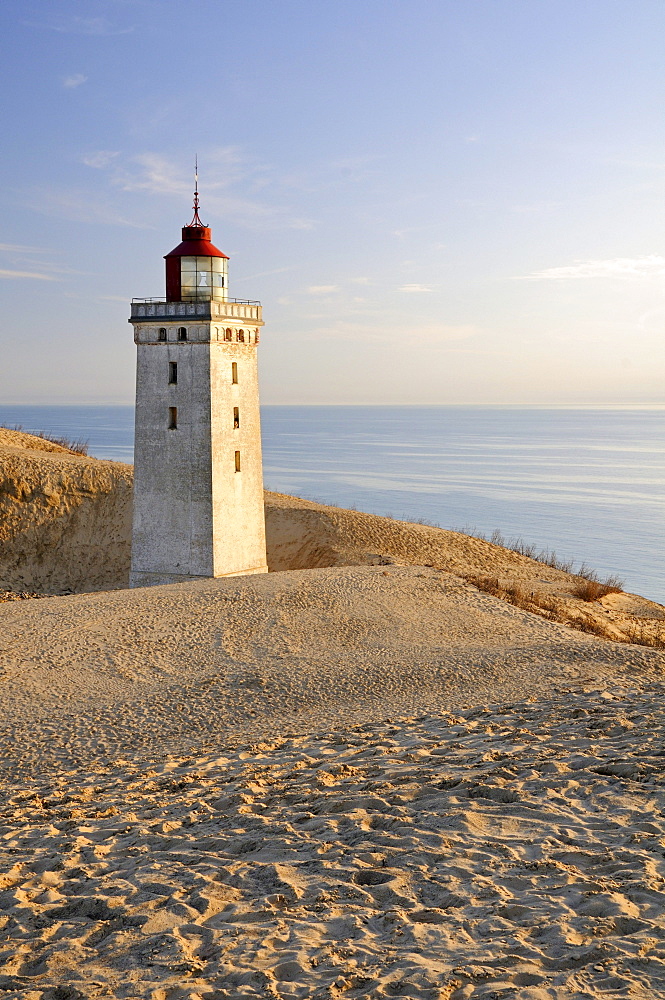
<point>198,483</point>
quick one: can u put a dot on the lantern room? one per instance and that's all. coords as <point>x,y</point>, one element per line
<point>196,271</point>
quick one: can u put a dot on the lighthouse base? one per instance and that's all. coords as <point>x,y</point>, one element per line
<point>159,579</point>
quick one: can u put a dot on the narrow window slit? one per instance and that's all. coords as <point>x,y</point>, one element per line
<point>236,417</point>
<point>237,461</point>
<point>173,418</point>
<point>173,372</point>
<point>234,372</point>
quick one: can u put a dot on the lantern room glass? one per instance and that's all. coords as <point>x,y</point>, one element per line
<point>203,278</point>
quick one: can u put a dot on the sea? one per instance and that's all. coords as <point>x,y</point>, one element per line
<point>587,483</point>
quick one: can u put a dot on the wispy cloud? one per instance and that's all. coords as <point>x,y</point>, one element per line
<point>322,289</point>
<point>22,260</point>
<point>102,158</point>
<point>222,169</point>
<point>80,26</point>
<point>440,334</point>
<point>407,230</point>
<point>326,175</point>
<point>5,273</point>
<point>263,274</point>
<point>415,287</point>
<point>617,268</point>
<point>302,224</point>
<point>71,82</point>
<point>81,206</point>
<point>152,174</point>
<point>535,207</point>
<point>19,248</point>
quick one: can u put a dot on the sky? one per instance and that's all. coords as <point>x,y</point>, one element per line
<point>436,201</point>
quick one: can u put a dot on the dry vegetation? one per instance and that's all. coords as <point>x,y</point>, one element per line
<point>589,589</point>
<point>564,607</point>
<point>13,595</point>
<point>642,635</point>
<point>65,518</point>
<point>513,593</point>
<point>76,446</point>
<point>549,558</point>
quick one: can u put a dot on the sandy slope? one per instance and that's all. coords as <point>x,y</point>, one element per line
<point>65,520</point>
<point>65,527</point>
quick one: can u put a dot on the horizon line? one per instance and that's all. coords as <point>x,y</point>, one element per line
<point>494,405</point>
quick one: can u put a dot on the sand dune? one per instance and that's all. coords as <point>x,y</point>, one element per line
<point>365,778</point>
<point>345,782</point>
<point>102,674</point>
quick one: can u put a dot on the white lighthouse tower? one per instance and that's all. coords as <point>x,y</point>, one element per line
<point>198,484</point>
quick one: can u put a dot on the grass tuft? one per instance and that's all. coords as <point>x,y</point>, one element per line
<point>527,600</point>
<point>588,589</point>
<point>555,610</point>
<point>642,636</point>
<point>549,558</point>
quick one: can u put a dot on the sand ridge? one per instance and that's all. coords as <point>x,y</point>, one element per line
<point>65,527</point>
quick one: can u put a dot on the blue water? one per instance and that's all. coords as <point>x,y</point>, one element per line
<point>588,483</point>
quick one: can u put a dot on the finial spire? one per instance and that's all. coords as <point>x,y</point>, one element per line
<point>196,220</point>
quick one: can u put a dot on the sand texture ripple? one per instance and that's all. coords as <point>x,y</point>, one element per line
<point>494,852</point>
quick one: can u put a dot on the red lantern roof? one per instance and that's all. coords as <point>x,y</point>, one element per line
<point>196,245</point>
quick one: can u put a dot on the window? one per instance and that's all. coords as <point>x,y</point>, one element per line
<point>182,333</point>
<point>228,334</point>
<point>237,461</point>
<point>234,372</point>
<point>173,418</point>
<point>236,417</point>
<point>202,278</point>
<point>241,336</point>
<point>173,372</point>
<point>162,333</point>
